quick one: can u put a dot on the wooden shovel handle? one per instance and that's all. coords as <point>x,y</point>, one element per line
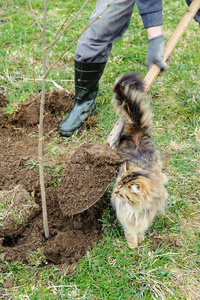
<point>155,70</point>
<point>173,41</point>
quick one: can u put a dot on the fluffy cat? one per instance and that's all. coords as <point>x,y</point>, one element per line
<point>139,194</point>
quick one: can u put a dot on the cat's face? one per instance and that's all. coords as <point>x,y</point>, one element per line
<point>133,187</point>
<point>135,190</point>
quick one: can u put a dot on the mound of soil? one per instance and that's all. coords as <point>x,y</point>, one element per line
<point>70,235</point>
<point>27,113</point>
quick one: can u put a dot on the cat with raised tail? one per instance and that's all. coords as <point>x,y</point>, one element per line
<point>139,194</point>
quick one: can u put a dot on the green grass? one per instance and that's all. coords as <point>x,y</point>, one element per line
<point>156,270</point>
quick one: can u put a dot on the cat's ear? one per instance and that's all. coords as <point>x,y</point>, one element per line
<point>127,166</point>
<point>136,188</point>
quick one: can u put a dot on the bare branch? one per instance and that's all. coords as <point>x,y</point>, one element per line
<point>35,17</point>
<point>74,41</point>
<point>34,57</point>
<point>51,45</point>
<point>40,147</point>
<point>61,34</point>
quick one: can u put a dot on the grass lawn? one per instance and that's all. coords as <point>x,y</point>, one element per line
<point>155,270</point>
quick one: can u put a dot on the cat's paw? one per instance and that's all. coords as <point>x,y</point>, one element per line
<point>133,245</point>
<point>140,238</point>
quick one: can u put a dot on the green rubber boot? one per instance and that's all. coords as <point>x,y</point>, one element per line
<point>87,77</point>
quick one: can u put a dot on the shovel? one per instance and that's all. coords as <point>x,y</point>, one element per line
<point>90,169</point>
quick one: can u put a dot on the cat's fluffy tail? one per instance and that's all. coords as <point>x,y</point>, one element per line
<point>129,102</point>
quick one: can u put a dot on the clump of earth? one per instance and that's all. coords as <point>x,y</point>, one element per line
<point>74,229</point>
<point>18,208</point>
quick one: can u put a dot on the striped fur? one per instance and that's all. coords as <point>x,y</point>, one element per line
<point>129,102</point>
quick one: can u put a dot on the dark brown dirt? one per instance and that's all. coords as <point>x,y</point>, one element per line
<point>70,237</point>
<point>87,175</point>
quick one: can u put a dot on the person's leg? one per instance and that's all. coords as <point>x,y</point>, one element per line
<point>92,52</point>
<point>96,42</point>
